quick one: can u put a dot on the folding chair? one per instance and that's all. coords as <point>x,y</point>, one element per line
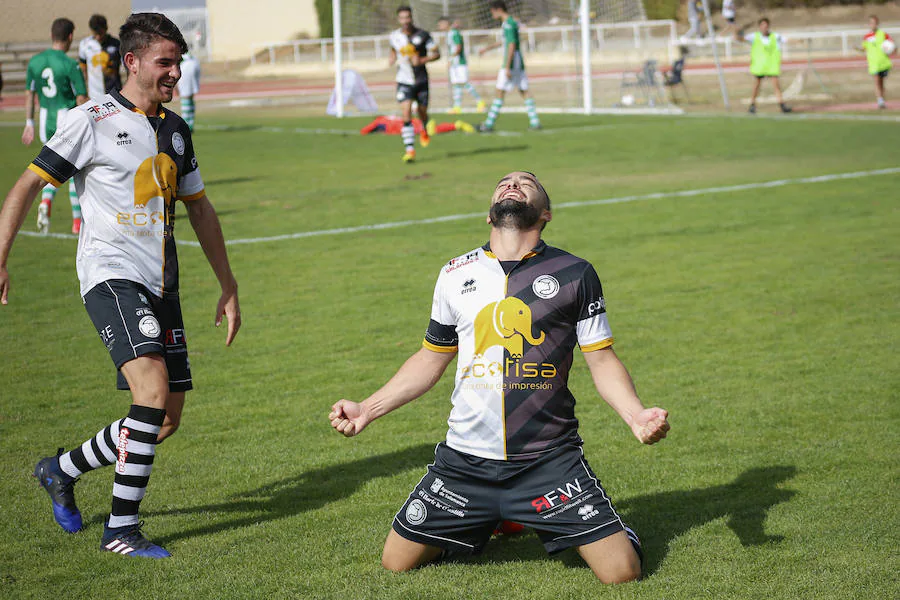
<point>645,80</point>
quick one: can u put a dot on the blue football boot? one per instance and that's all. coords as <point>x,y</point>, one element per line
<point>129,541</point>
<point>60,487</point>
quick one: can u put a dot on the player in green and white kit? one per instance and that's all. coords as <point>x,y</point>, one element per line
<point>512,71</point>
<point>879,61</point>
<point>57,82</point>
<point>458,67</point>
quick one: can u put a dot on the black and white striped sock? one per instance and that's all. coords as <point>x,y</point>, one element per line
<point>99,451</point>
<point>408,134</point>
<point>135,450</point>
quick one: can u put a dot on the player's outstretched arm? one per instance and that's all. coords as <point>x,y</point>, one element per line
<point>28,132</point>
<point>12,215</point>
<point>616,387</point>
<point>485,49</point>
<point>209,233</point>
<point>417,375</point>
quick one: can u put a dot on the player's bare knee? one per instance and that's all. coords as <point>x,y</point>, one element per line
<point>627,569</point>
<point>619,577</point>
<point>396,564</point>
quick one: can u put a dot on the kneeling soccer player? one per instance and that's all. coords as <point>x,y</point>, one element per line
<point>513,311</point>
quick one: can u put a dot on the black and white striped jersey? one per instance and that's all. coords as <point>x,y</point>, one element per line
<point>515,334</point>
<point>128,169</point>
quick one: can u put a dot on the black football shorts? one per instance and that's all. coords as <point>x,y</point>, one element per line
<point>462,498</point>
<point>133,322</point>
<point>417,92</point>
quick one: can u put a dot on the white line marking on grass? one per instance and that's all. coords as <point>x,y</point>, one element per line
<point>463,216</point>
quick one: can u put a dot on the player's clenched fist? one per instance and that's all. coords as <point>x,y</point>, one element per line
<point>348,417</point>
<point>650,425</point>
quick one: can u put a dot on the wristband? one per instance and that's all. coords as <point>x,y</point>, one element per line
<point>29,122</point>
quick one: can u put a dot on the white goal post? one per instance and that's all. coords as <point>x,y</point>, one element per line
<point>580,50</point>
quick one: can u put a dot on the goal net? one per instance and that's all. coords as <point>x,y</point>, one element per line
<point>581,55</point>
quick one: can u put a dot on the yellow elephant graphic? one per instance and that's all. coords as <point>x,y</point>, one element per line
<point>156,177</point>
<point>505,323</point>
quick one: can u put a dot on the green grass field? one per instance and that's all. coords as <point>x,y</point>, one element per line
<point>765,320</point>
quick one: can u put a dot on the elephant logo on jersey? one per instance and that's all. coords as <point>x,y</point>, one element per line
<point>505,323</point>
<point>102,60</point>
<point>157,177</point>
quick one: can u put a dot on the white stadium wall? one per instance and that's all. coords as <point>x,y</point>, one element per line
<point>235,26</point>
<point>30,21</point>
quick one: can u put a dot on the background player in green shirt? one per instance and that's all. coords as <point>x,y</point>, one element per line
<point>512,70</point>
<point>457,66</point>
<point>57,82</point>
<point>879,60</point>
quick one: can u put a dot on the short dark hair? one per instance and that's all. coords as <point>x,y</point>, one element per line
<point>763,20</point>
<point>142,29</point>
<point>444,18</point>
<point>404,8</point>
<point>98,23</point>
<point>61,29</point>
<point>499,5</point>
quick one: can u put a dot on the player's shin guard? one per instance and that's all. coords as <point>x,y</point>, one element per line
<point>99,451</point>
<point>493,113</point>
<point>457,96</point>
<point>134,461</point>
<point>472,91</point>
<point>533,120</point>
<point>408,135</point>
<point>187,112</point>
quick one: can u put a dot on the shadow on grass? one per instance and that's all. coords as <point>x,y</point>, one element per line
<point>301,493</point>
<point>229,180</point>
<point>661,518</point>
<point>478,151</point>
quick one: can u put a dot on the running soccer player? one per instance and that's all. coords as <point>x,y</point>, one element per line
<point>512,312</point>
<point>188,86</point>
<point>133,159</point>
<point>512,70</point>
<point>458,67</point>
<point>411,49</point>
<point>879,61</point>
<point>765,60</point>
<point>58,84</point>
<point>100,56</point>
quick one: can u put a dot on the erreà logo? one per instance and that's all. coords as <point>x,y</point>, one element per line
<point>505,323</point>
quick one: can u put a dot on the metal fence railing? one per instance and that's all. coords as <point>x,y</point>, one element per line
<point>635,35</point>
<point>837,42</point>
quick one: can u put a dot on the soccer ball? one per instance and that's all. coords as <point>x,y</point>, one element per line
<point>627,100</point>
<point>888,47</point>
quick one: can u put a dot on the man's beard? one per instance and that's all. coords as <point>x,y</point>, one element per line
<point>513,214</point>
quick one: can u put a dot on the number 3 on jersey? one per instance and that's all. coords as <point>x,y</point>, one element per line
<point>48,90</point>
